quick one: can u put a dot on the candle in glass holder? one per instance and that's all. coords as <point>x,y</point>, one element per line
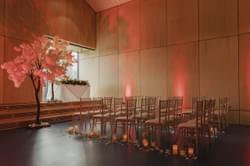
<point>190,151</point>
<point>114,138</point>
<point>182,153</point>
<point>153,144</point>
<point>91,134</point>
<point>175,149</point>
<point>145,142</point>
<point>124,137</point>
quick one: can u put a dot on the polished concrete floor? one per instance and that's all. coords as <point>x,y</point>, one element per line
<point>54,147</point>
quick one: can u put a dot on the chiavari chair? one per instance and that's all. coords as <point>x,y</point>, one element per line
<point>104,115</point>
<point>221,113</point>
<point>157,123</point>
<point>200,126</point>
<point>82,114</point>
<point>127,120</point>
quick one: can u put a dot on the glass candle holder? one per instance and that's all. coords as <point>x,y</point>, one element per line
<point>182,153</point>
<point>175,149</point>
<point>190,151</point>
<point>125,137</point>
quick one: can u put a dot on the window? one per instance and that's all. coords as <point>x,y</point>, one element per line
<point>73,71</point>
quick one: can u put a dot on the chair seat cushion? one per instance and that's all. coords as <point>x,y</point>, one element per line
<point>80,113</point>
<point>155,121</point>
<point>188,124</point>
<point>123,118</point>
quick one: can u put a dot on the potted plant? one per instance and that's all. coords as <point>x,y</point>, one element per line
<point>42,60</point>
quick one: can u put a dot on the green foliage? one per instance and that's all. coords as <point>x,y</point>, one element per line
<point>75,82</point>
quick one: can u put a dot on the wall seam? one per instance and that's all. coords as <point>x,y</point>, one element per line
<point>238,35</point>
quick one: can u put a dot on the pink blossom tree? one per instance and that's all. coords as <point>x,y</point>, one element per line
<point>41,60</point>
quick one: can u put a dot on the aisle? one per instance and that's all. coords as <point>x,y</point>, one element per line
<point>54,147</point>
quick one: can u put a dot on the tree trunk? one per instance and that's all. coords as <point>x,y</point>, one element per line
<point>52,92</point>
<point>36,87</point>
<point>37,107</point>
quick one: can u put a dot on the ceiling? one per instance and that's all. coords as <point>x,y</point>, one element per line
<point>99,5</point>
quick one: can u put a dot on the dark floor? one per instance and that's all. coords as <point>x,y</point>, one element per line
<point>54,147</point>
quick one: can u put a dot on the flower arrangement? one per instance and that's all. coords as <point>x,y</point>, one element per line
<point>75,82</point>
<point>40,61</point>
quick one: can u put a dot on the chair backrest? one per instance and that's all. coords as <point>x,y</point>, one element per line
<point>118,102</point>
<point>199,107</point>
<point>97,103</point>
<point>194,102</point>
<point>130,107</point>
<point>163,109</point>
<point>83,101</point>
<point>144,105</point>
<point>207,110</point>
<point>152,101</point>
<point>223,105</point>
<point>107,103</point>
<point>179,103</point>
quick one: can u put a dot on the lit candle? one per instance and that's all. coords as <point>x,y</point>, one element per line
<point>182,153</point>
<point>175,149</point>
<point>124,137</point>
<point>114,138</point>
<point>153,144</point>
<point>145,142</point>
<point>190,151</point>
<point>91,134</point>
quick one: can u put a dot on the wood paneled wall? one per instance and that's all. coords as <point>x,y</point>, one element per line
<point>22,21</point>
<point>176,47</point>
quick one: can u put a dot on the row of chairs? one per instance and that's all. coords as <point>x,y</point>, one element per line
<point>152,119</point>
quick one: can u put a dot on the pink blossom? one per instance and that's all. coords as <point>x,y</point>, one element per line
<point>39,61</point>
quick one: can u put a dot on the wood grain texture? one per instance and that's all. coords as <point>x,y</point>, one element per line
<point>219,69</point>
<point>217,18</point>
<point>129,74</point>
<point>154,72</point>
<point>244,72</point>
<point>182,21</point>
<point>128,23</point>
<point>183,76</point>
<point>244,13</point>
<point>153,24</point>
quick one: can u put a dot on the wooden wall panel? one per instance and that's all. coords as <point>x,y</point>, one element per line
<point>244,13</point>
<point>154,72</point>
<point>244,118</point>
<point>182,21</point>
<point>1,71</point>
<point>153,23</point>
<point>108,75</point>
<point>2,13</point>
<point>108,29</point>
<point>244,72</point>
<point>11,94</point>
<point>129,74</point>
<point>219,69</point>
<point>89,70</point>
<point>19,19</point>
<point>52,18</point>
<point>183,76</point>
<point>80,23</point>
<point>128,21</point>
<point>218,18</point>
